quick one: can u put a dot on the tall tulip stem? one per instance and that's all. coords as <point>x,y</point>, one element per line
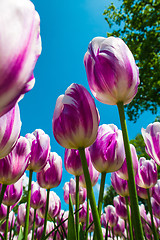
<point>6,228</point>
<point>100,199</point>
<point>87,218</point>
<point>77,206</point>
<point>131,181</point>
<point>4,186</point>
<point>33,228</point>
<point>90,193</point>
<point>46,214</point>
<point>129,219</point>
<point>28,206</point>
<point>151,213</point>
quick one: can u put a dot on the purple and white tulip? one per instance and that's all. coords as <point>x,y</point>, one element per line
<point>54,206</point>
<point>20,47</point>
<point>151,137</point>
<point>13,193</point>
<point>76,118</point>
<point>38,196</point>
<point>111,70</point>
<point>107,152</point>
<point>156,191</point>
<point>40,147</point>
<point>120,185</point>
<point>10,126</point>
<point>111,216</point>
<point>3,211</point>
<point>94,174</point>
<point>147,173</point>
<point>51,174</point>
<point>15,163</point>
<point>21,214</point>
<point>120,207</point>
<point>155,208</point>
<point>11,221</point>
<point>123,172</point>
<point>70,188</point>
<point>72,161</point>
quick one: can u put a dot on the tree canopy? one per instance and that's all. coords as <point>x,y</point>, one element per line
<point>137,22</point>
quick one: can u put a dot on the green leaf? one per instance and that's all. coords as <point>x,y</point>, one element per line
<point>71,225</point>
<point>20,237</point>
<point>1,236</point>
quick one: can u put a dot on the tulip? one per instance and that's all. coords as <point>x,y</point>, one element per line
<point>22,213</point>
<point>147,173</point>
<point>94,174</point>
<point>20,46</point>
<point>111,216</point>
<point>156,191</point>
<point>13,193</point>
<point>120,207</point>
<point>51,175</point>
<point>119,228</point>
<point>75,119</point>
<point>10,126</point>
<point>15,163</point>
<point>40,147</point>
<point>151,136</point>
<point>72,162</point>
<point>38,196</point>
<point>120,185</point>
<point>62,219</point>
<point>123,172</point>
<point>3,211</point>
<point>142,192</point>
<point>70,188</point>
<point>11,221</point>
<point>155,208</point>
<point>107,152</point>
<point>111,70</point>
<point>50,226</point>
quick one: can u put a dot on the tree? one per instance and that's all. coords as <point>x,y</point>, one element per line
<point>137,22</point>
<point>110,194</point>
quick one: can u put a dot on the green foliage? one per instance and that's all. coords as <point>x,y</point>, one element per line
<point>139,144</point>
<point>108,198</point>
<point>137,22</point>
<point>71,226</point>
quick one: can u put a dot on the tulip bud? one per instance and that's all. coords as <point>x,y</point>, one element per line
<point>147,173</point>
<point>13,193</point>
<point>123,172</point>
<point>111,70</point>
<point>38,196</point>
<point>22,214</point>
<point>40,147</point>
<point>51,174</point>
<point>94,174</point>
<point>10,126</point>
<point>15,163</point>
<point>120,207</point>
<point>70,188</point>
<point>20,46</point>
<point>155,208</point>
<point>72,162</point>
<point>156,191</point>
<point>111,216</point>
<point>151,137</point>
<point>107,152</point>
<point>11,221</point>
<point>75,119</point>
<point>120,185</point>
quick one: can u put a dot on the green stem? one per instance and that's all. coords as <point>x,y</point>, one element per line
<point>131,181</point>
<point>2,192</point>
<point>46,214</point>
<point>126,229</point>
<point>87,218</point>
<point>90,193</point>
<point>28,206</point>
<point>129,219</point>
<point>6,227</point>
<point>33,228</point>
<point>100,199</point>
<point>151,213</point>
<point>77,207</point>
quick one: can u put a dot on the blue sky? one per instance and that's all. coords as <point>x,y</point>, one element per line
<point>67,27</point>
